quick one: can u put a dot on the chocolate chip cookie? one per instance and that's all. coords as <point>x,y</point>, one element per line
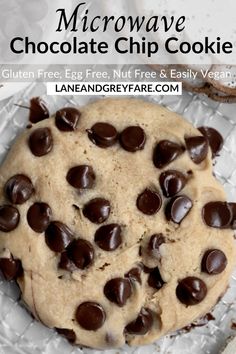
<point>113,224</point>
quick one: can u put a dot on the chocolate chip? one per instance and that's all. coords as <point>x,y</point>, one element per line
<point>197,147</point>
<point>81,252</point>
<point>38,110</point>
<point>233,325</point>
<point>214,138</point>
<point>155,280</point>
<point>165,152</point>
<point>154,244</point>
<point>58,236</point>
<point>103,134</point>
<point>11,268</point>
<point>134,275</point>
<point>191,291</point>
<point>9,218</point>
<point>118,290</point>
<point>214,262</point>
<point>149,202</point>
<point>142,324</point>
<point>67,119</point>
<point>217,214</point>
<point>233,210</point>
<point>178,208</point>
<point>133,139</point>
<point>145,269</point>
<point>81,177</point>
<point>41,141</point>
<point>69,334</point>
<point>66,263</point>
<point>39,216</point>
<point>172,182</point>
<point>90,316</point>
<point>108,237</point>
<point>97,210</point>
<point>19,189</point>
<point>140,251</point>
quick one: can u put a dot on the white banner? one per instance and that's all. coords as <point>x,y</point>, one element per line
<point>120,32</point>
<point>114,88</point>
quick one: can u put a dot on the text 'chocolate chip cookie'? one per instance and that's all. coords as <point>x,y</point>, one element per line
<point>113,224</point>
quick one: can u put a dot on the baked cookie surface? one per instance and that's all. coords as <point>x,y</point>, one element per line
<point>113,224</point>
